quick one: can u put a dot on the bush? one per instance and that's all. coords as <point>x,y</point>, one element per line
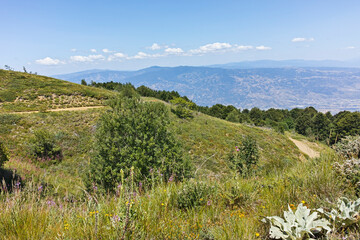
<point>194,194</point>
<point>3,154</point>
<point>246,156</point>
<point>350,170</point>
<point>349,147</point>
<point>43,146</point>
<point>135,134</point>
<point>182,112</point>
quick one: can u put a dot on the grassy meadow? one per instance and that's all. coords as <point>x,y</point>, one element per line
<point>50,201</point>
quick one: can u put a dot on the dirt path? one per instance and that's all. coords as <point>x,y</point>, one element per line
<point>305,148</point>
<point>58,110</point>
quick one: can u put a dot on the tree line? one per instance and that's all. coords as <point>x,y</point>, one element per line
<point>309,122</point>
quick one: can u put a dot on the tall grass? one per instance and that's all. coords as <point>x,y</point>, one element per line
<point>226,208</point>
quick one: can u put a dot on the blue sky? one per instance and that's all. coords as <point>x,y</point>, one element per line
<point>52,37</point>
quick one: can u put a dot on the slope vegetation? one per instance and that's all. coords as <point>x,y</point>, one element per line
<point>28,92</point>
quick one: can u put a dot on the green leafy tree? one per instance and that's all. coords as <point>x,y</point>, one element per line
<point>303,122</point>
<point>320,126</point>
<point>256,116</point>
<point>234,116</point>
<point>43,146</point>
<point>179,101</point>
<point>134,134</point>
<point>83,82</point>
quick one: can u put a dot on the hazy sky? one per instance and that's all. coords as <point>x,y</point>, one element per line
<point>53,37</point>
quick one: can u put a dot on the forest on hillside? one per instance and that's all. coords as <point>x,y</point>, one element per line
<point>309,122</point>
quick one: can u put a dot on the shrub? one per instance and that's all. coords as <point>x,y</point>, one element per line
<point>350,170</point>
<point>298,225</point>
<point>346,213</point>
<point>194,194</point>
<point>3,154</point>
<point>135,134</point>
<point>246,156</point>
<point>349,147</point>
<point>182,112</point>
<point>43,146</point>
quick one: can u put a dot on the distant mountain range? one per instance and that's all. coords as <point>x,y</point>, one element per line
<point>325,88</point>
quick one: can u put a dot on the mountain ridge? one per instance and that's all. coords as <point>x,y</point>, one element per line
<point>325,88</point>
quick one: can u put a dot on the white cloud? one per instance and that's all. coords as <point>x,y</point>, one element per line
<point>105,50</point>
<point>301,39</point>
<point>155,46</point>
<point>174,51</point>
<point>89,58</point>
<point>140,55</point>
<point>118,56</point>
<point>351,47</point>
<point>73,49</point>
<point>211,47</point>
<point>241,47</point>
<point>93,50</point>
<point>49,61</point>
<point>262,47</point>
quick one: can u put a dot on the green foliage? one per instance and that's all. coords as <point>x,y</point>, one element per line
<point>349,147</point>
<point>3,154</point>
<point>297,226</point>
<point>128,91</point>
<point>346,214</point>
<point>246,156</point>
<point>135,134</point>
<point>43,146</point>
<point>83,82</point>
<point>234,116</point>
<point>183,103</point>
<point>281,127</point>
<point>182,112</point>
<point>350,171</point>
<point>194,194</point>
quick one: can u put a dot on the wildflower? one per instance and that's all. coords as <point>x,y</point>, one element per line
<point>140,185</point>
<point>303,202</point>
<point>171,178</point>
<point>209,202</point>
<point>95,187</point>
<point>40,188</point>
<point>116,218</point>
<point>51,203</point>
<point>162,204</point>
<point>263,207</point>
<point>201,199</point>
<point>257,234</point>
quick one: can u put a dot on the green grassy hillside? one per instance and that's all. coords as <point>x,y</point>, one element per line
<point>28,92</point>
<point>52,203</point>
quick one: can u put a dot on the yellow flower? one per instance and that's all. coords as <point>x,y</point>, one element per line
<point>303,202</point>
<point>257,234</point>
<point>263,207</point>
<point>201,199</point>
<point>162,204</point>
